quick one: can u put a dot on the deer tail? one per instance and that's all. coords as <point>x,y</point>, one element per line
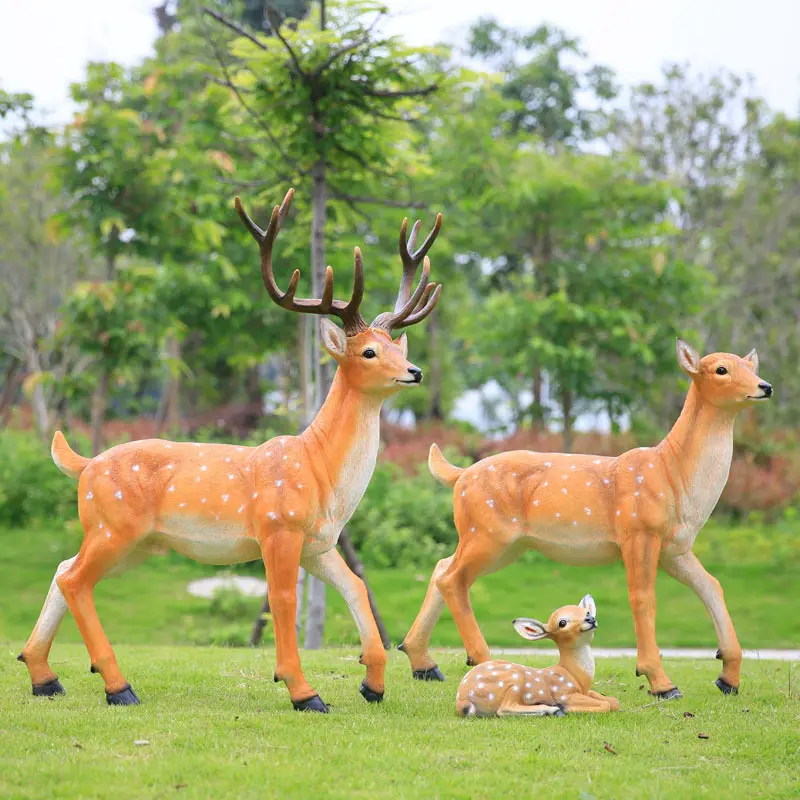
<point>441,468</point>
<point>65,458</point>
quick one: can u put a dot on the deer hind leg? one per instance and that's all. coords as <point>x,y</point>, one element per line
<point>331,568</point>
<point>512,708</point>
<point>611,700</point>
<point>474,557</point>
<point>417,640</point>
<point>37,649</point>
<point>585,703</point>
<point>640,556</point>
<point>281,551</point>
<point>689,571</point>
<point>101,552</point>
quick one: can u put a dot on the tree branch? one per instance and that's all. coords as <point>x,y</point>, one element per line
<point>404,93</point>
<point>234,27</point>
<point>376,201</point>
<point>272,17</point>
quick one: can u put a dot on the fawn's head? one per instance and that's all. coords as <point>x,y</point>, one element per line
<point>371,360</point>
<point>567,626</point>
<point>724,380</point>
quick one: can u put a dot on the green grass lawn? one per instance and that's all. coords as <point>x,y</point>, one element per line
<point>217,726</point>
<point>150,604</point>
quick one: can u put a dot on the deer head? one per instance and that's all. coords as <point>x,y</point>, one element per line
<point>724,380</point>
<point>371,360</point>
<point>569,625</point>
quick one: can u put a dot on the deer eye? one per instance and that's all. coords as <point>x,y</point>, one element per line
<point>562,623</point>
<point>722,371</point>
<point>369,353</point>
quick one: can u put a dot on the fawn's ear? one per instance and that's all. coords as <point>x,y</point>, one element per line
<point>587,602</point>
<point>688,357</point>
<point>752,359</point>
<point>529,628</point>
<point>334,338</point>
<point>402,342</point>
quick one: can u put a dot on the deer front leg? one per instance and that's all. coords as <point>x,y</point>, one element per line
<point>331,568</point>
<point>640,555</point>
<point>612,701</point>
<point>281,552</point>
<point>687,569</point>
<point>587,703</point>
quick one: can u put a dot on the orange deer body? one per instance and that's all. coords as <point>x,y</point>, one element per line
<point>285,501</point>
<point>501,688</point>
<point>645,507</point>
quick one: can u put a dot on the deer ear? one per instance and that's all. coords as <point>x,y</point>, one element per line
<point>334,338</point>
<point>402,342</point>
<point>529,628</point>
<point>587,602</point>
<point>688,358</point>
<point>752,359</point>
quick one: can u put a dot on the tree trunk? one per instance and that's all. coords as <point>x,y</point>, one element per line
<point>169,414</point>
<point>435,408</point>
<point>305,343</point>
<point>98,413</point>
<point>537,408</point>
<point>257,634</point>
<point>38,400</point>
<point>566,410</point>
<point>11,383</point>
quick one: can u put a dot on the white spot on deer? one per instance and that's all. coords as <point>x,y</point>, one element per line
<point>528,695</point>
<point>231,476</point>
<point>491,467</point>
<point>574,524</point>
<point>200,453</point>
<point>572,467</point>
<point>239,449</point>
<point>107,472</point>
<point>515,687</point>
<point>272,515</point>
<point>650,466</point>
<point>108,535</point>
<point>101,458</point>
<point>181,505</point>
<point>596,461</point>
<point>216,517</point>
<point>299,485</point>
<point>490,503</point>
<point>555,689</point>
<point>255,494</point>
<point>630,469</point>
<point>561,678</point>
<point>527,685</point>
<point>570,685</point>
<point>513,474</point>
<point>100,525</point>
<point>618,512</point>
<point>513,519</point>
<point>197,444</point>
<point>279,483</point>
<point>463,492</point>
<point>118,494</point>
<point>472,693</point>
<point>558,515</point>
<point>481,685</point>
<point>472,530</point>
<point>606,481</point>
<point>588,483</point>
<point>548,463</point>
<point>286,458</point>
<point>563,491</point>
<point>89,495</point>
<point>640,479</point>
<point>203,468</point>
<point>240,509</point>
<point>247,469</point>
<point>634,514</point>
<point>661,494</point>
<point>168,446</point>
<point>588,511</point>
<point>225,498</point>
<point>291,513</point>
<point>135,467</point>
<point>636,494</point>
<point>197,479</point>
<point>515,676</point>
<point>297,464</point>
<point>563,477</point>
<point>171,489</point>
<point>170,466</point>
<point>536,502</point>
<point>203,500</point>
<point>545,483</point>
<point>491,695</point>
<point>269,452</point>
<point>541,691</point>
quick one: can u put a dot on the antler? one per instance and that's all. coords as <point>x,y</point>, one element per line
<point>412,308</point>
<point>347,312</point>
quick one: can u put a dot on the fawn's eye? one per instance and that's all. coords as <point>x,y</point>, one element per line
<point>562,623</point>
<point>369,353</point>
<point>722,371</point>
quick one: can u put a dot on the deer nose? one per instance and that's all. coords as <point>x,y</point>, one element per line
<point>766,388</point>
<point>416,374</point>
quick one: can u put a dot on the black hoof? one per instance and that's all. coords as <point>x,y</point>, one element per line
<point>431,674</point>
<point>49,689</point>
<point>719,654</point>
<point>725,687</point>
<point>559,713</point>
<point>125,697</point>
<point>471,663</point>
<point>402,647</point>
<point>21,658</point>
<point>670,694</point>
<point>314,703</point>
<point>370,695</point>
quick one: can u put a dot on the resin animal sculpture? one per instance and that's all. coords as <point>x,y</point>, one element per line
<point>501,689</point>
<point>285,501</point>
<point>645,507</point>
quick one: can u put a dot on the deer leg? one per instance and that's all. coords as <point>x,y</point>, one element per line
<point>417,640</point>
<point>470,561</point>
<point>687,569</point>
<point>640,556</point>
<point>37,649</point>
<point>281,552</point>
<point>611,700</point>
<point>331,568</point>
<point>585,703</point>
<point>95,559</point>
<point>522,710</point>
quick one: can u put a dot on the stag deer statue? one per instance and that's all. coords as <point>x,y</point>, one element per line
<point>503,689</point>
<point>645,506</point>
<point>285,501</point>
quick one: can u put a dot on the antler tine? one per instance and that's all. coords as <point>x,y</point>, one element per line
<point>427,304</point>
<point>347,312</point>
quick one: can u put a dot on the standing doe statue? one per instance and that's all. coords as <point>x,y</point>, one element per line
<point>645,506</point>
<point>501,689</point>
<point>285,501</point>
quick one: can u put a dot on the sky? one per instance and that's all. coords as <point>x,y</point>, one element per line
<point>44,45</point>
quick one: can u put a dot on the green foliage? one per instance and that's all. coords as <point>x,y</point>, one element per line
<point>31,487</point>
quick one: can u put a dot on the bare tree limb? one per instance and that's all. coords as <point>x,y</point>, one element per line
<point>404,93</point>
<point>234,27</point>
<point>272,17</point>
<point>376,201</point>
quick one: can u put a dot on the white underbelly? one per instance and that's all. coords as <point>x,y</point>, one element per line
<point>208,541</point>
<point>577,546</point>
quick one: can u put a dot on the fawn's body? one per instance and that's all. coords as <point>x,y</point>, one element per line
<point>285,501</point>
<point>644,507</point>
<point>502,688</point>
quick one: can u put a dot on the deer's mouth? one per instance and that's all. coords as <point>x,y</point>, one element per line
<point>589,626</point>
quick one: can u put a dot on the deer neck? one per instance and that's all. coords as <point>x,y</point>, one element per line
<point>343,440</point>
<point>698,452</point>
<point>578,660</point>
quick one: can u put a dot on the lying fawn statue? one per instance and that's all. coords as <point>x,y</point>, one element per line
<point>644,507</point>
<point>500,689</point>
